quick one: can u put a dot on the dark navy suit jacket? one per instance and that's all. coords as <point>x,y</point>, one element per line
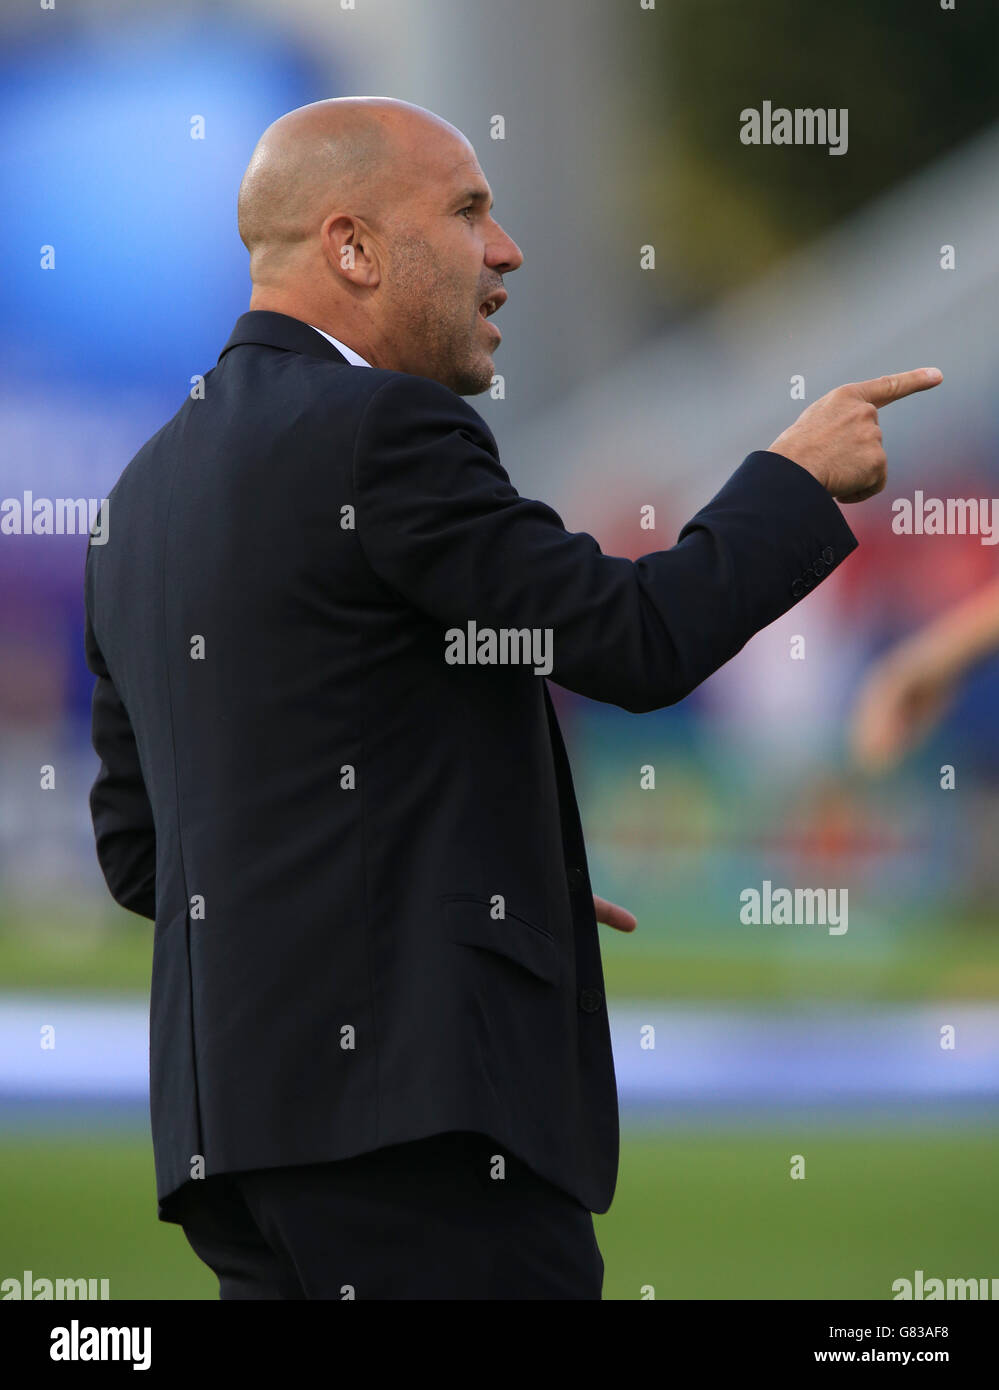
<point>365,864</point>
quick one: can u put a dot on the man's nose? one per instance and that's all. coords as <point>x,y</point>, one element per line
<point>503,253</point>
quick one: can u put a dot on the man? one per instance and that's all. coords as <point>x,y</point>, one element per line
<point>380,1063</point>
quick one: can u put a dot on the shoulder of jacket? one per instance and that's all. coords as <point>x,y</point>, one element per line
<point>395,392</point>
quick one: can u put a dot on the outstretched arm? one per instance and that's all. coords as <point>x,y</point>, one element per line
<point>440,522</point>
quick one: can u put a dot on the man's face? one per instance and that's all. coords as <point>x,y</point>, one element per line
<point>446,256</point>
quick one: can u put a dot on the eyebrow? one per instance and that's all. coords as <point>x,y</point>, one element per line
<point>474,195</point>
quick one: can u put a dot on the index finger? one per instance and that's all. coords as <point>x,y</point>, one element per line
<point>882,390</point>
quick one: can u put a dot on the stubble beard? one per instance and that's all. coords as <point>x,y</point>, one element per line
<point>435,320</point>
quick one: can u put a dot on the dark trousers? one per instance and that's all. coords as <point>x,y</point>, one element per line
<point>421,1220</point>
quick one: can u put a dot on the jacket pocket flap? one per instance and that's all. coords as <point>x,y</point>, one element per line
<point>468,921</point>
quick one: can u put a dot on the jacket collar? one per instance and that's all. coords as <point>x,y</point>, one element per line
<point>267,329</point>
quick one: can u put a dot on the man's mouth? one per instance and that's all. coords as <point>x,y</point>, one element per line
<point>495,301</point>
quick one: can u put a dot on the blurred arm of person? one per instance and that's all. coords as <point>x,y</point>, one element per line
<point>909,689</point>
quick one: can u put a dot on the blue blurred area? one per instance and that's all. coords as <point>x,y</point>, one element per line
<point>149,276</point>
<point>704,1060</point>
<point>101,165</point>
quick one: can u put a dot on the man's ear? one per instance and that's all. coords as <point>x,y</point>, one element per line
<point>350,249</point>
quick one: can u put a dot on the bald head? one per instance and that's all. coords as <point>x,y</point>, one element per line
<point>349,153</point>
<point>371,219</point>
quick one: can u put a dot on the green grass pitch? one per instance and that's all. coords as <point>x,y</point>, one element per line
<point>699,1214</point>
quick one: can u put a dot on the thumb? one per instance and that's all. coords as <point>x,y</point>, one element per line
<point>613,916</point>
<point>882,390</point>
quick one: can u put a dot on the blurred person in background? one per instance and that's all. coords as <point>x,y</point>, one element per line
<point>909,689</point>
<point>380,1058</point>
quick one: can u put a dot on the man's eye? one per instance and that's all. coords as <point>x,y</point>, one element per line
<point>462,212</point>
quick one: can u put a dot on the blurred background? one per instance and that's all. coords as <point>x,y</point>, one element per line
<point>675,282</point>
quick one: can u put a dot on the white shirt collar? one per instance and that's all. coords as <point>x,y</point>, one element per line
<point>354,358</point>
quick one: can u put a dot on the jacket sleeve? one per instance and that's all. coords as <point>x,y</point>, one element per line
<point>119,806</point>
<point>440,522</point>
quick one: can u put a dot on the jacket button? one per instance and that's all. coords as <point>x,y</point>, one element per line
<point>828,555</point>
<point>797,588</point>
<point>819,567</point>
<point>590,1000</point>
